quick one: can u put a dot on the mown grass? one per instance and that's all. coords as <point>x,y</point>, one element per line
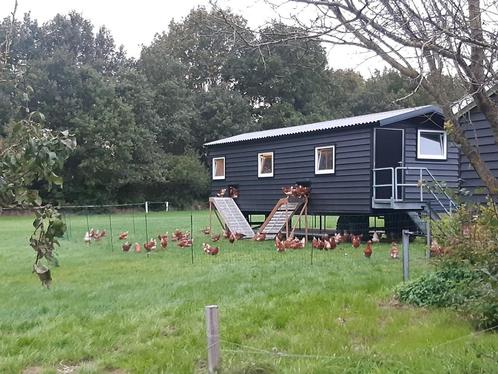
<point>110,311</point>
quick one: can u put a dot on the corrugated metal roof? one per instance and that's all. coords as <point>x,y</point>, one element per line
<point>384,118</point>
<point>467,103</point>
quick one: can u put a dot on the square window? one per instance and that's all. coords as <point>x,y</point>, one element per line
<point>265,164</point>
<point>219,168</point>
<point>431,145</point>
<point>325,160</point>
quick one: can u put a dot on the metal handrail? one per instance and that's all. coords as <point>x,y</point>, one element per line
<point>375,185</point>
<point>395,184</point>
<point>451,203</point>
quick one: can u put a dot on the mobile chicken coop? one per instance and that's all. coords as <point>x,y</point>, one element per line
<point>389,164</point>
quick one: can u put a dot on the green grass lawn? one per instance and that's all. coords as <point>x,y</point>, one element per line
<point>114,312</point>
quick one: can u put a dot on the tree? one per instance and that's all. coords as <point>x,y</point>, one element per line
<point>389,90</point>
<point>79,99</point>
<point>31,158</point>
<point>285,82</point>
<point>74,35</point>
<point>424,41</point>
<point>283,71</point>
<point>202,43</point>
<point>31,155</point>
<point>195,98</point>
<point>82,82</point>
<point>220,113</point>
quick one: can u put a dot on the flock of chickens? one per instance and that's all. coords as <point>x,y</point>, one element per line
<point>296,191</point>
<point>326,243</point>
<point>184,240</point>
<point>282,244</point>
<point>330,243</point>
<point>233,192</point>
<point>94,235</point>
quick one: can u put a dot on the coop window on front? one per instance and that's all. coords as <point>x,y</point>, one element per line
<point>325,160</point>
<point>265,164</point>
<point>219,168</point>
<point>431,145</point>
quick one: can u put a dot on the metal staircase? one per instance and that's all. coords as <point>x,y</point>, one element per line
<point>419,218</point>
<point>428,197</point>
<point>229,215</point>
<point>430,191</point>
<point>280,216</point>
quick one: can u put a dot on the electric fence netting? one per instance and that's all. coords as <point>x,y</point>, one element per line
<point>127,228</point>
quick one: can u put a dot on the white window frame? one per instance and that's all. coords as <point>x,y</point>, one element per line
<point>266,175</point>
<point>325,171</point>
<point>444,156</point>
<point>219,177</point>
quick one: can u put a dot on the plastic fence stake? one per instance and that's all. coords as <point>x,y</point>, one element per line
<point>146,227</point>
<point>192,235</point>
<point>87,223</point>
<point>110,229</point>
<point>133,219</point>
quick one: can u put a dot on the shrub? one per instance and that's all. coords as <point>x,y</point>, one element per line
<point>482,309</point>
<point>188,180</point>
<point>446,287</point>
<point>466,276</point>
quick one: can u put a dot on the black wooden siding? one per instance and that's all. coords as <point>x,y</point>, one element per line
<point>346,191</point>
<point>477,129</point>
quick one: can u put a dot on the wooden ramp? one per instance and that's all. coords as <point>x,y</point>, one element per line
<point>232,217</point>
<point>280,216</point>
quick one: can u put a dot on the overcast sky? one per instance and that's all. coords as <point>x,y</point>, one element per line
<point>134,23</point>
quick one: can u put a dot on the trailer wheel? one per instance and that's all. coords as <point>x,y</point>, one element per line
<point>395,223</point>
<point>356,225</point>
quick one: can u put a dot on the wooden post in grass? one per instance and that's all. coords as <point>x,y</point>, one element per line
<point>213,338</point>
<point>406,256</point>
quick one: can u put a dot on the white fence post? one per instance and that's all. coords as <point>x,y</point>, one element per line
<point>167,206</point>
<point>146,207</point>
<point>213,338</point>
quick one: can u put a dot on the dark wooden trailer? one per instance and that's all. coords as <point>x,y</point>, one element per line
<point>380,164</point>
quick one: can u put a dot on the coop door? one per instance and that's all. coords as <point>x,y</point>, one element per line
<point>388,154</point>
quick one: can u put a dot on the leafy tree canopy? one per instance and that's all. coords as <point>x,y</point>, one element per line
<point>204,78</point>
